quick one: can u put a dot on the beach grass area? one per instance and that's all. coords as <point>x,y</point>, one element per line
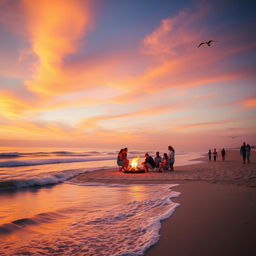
<point>217,206</point>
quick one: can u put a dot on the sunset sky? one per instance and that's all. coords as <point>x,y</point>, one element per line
<point>113,73</point>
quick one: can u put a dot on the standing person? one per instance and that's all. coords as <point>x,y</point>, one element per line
<point>215,154</point>
<point>164,166</point>
<point>223,154</point>
<point>243,152</point>
<point>248,153</point>
<point>158,159</point>
<point>149,163</point>
<point>171,158</point>
<point>210,155</point>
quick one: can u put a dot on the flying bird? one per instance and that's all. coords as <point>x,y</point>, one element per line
<point>208,43</point>
<point>233,137</point>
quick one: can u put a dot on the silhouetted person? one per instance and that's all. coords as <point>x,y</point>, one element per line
<point>149,163</point>
<point>171,158</point>
<point>248,153</point>
<point>215,154</point>
<point>243,151</point>
<point>210,155</point>
<point>223,154</point>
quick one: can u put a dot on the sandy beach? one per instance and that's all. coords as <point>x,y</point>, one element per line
<point>217,206</point>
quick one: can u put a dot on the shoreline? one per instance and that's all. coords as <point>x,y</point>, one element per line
<point>231,171</point>
<point>217,206</point>
<point>212,219</point>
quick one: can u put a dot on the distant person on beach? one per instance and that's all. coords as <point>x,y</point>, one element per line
<point>248,153</point>
<point>122,160</point>
<point>171,157</point>
<point>243,151</point>
<point>223,154</point>
<point>158,159</point>
<point>149,163</point>
<point>215,154</point>
<point>164,165</point>
<point>210,155</point>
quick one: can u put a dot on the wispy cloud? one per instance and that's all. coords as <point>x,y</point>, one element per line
<point>54,29</point>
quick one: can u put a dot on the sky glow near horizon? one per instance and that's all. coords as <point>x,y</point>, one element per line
<point>127,73</point>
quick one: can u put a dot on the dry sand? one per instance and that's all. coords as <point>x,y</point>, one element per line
<point>217,213</point>
<point>231,171</point>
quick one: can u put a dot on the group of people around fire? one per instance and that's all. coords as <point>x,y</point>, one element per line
<point>245,152</point>
<point>159,163</point>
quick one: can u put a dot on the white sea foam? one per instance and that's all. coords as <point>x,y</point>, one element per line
<point>42,179</point>
<point>29,162</point>
<point>126,221</point>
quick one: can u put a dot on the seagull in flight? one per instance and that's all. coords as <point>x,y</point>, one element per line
<point>208,43</point>
<point>233,137</point>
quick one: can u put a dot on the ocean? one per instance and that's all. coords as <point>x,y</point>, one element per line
<point>43,213</point>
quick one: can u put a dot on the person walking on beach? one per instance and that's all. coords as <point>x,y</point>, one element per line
<point>215,154</point>
<point>223,154</point>
<point>149,163</point>
<point>171,158</point>
<point>243,150</point>
<point>158,159</point>
<point>248,153</point>
<point>210,155</point>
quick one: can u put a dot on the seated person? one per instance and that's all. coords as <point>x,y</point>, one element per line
<point>158,159</point>
<point>122,160</point>
<point>149,163</point>
<point>164,166</point>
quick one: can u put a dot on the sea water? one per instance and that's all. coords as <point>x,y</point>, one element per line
<point>43,213</point>
<point>68,219</point>
<point>37,167</point>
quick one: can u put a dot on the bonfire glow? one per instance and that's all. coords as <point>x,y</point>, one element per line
<point>134,163</point>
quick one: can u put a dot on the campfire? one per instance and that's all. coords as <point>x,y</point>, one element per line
<point>134,164</point>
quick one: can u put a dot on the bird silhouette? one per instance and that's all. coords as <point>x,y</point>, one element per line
<point>207,42</point>
<point>233,137</point>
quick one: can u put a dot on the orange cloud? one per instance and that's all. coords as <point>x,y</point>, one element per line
<point>249,102</point>
<point>92,122</point>
<point>11,106</point>
<point>202,124</point>
<point>211,123</point>
<point>54,28</point>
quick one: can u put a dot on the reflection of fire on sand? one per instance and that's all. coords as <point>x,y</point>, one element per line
<point>134,168</point>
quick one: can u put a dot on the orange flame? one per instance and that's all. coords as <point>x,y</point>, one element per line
<point>134,163</point>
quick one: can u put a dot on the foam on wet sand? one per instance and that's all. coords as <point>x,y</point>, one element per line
<point>217,206</point>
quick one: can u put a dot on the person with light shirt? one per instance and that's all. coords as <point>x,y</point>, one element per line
<point>171,157</point>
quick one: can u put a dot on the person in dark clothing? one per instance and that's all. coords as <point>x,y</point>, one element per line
<point>248,153</point>
<point>243,150</point>
<point>210,155</point>
<point>215,154</point>
<point>223,154</point>
<point>149,163</point>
